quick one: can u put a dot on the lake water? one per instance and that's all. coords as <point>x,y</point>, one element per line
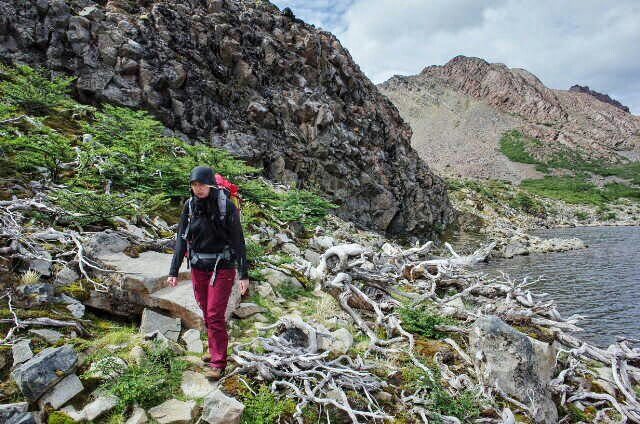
<point>601,282</point>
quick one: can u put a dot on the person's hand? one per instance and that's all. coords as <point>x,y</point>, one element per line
<point>244,285</point>
<point>172,281</point>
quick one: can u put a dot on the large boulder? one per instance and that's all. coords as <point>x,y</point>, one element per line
<point>36,376</point>
<point>246,77</point>
<point>518,364</point>
<point>220,408</point>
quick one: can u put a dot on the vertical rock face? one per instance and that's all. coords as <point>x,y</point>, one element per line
<point>243,76</point>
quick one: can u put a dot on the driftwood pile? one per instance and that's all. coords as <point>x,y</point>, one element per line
<point>367,287</point>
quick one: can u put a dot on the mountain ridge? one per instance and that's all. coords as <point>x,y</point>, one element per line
<point>439,96</point>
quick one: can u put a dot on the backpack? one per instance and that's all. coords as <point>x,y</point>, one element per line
<point>231,190</point>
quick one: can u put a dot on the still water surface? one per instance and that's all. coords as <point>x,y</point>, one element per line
<point>601,282</point>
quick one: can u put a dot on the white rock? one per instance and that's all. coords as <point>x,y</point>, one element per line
<point>138,416</point>
<point>93,410</point>
<point>62,392</point>
<point>137,354</point>
<point>193,341</point>
<point>174,411</point>
<point>322,243</point>
<point>265,291</point>
<point>195,385</point>
<point>220,408</point>
<point>339,341</point>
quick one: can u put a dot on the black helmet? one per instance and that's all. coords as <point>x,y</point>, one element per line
<point>203,174</point>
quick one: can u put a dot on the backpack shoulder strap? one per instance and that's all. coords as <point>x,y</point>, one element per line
<point>186,230</point>
<point>222,205</point>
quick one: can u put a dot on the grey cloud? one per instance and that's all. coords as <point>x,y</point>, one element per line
<point>586,42</point>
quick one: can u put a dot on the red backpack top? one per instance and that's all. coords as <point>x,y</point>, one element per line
<point>232,190</point>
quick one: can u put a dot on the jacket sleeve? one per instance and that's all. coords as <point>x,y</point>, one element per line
<point>181,245</point>
<point>238,243</point>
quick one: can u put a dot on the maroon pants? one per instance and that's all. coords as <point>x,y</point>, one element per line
<point>213,301</point>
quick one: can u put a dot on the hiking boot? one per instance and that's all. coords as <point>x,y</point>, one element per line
<point>206,357</point>
<point>214,373</point>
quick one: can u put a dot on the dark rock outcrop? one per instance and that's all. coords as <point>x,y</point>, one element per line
<point>600,96</point>
<point>243,76</point>
<point>36,376</point>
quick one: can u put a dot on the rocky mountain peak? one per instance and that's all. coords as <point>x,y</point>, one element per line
<point>243,76</point>
<point>600,96</point>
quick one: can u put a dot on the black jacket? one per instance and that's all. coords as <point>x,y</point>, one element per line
<point>208,235</point>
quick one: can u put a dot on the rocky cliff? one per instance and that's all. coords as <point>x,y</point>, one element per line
<point>459,110</point>
<point>243,76</point>
<point>600,96</point>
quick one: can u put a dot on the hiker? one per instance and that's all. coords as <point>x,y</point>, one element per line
<point>211,235</point>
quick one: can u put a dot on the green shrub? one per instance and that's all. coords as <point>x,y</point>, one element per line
<point>422,320</point>
<point>290,292</point>
<point>582,216</point>
<point>31,90</point>
<point>578,191</point>
<point>265,408</point>
<point>526,203</point>
<point>464,406</point>
<point>88,207</point>
<point>43,148</point>
<point>152,382</point>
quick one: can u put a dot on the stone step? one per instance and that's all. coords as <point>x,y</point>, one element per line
<point>180,302</point>
<point>144,275</point>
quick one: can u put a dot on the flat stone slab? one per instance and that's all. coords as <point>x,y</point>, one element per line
<point>11,410</point>
<point>50,336</point>
<point>175,411</point>
<point>149,268</point>
<point>196,386</point>
<point>179,301</point>
<point>167,326</point>
<point>36,376</point>
<point>93,410</point>
<point>62,392</point>
<point>245,310</point>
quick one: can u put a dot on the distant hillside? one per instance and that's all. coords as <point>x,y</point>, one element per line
<point>460,111</point>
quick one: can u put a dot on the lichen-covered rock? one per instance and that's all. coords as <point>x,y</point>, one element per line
<point>36,376</point>
<point>518,364</point>
<point>246,77</point>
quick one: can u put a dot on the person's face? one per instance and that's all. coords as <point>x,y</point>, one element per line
<point>200,190</point>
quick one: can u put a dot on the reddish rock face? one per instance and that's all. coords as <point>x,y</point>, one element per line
<point>574,118</point>
<point>243,76</point>
<point>600,96</point>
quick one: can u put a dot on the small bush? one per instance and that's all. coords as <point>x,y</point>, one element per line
<point>582,216</point>
<point>464,406</point>
<point>152,382</point>
<point>89,207</point>
<point>266,408</point>
<point>421,320</point>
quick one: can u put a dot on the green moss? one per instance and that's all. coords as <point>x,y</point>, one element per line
<point>57,417</point>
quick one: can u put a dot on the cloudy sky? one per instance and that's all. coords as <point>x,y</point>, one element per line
<point>563,42</point>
